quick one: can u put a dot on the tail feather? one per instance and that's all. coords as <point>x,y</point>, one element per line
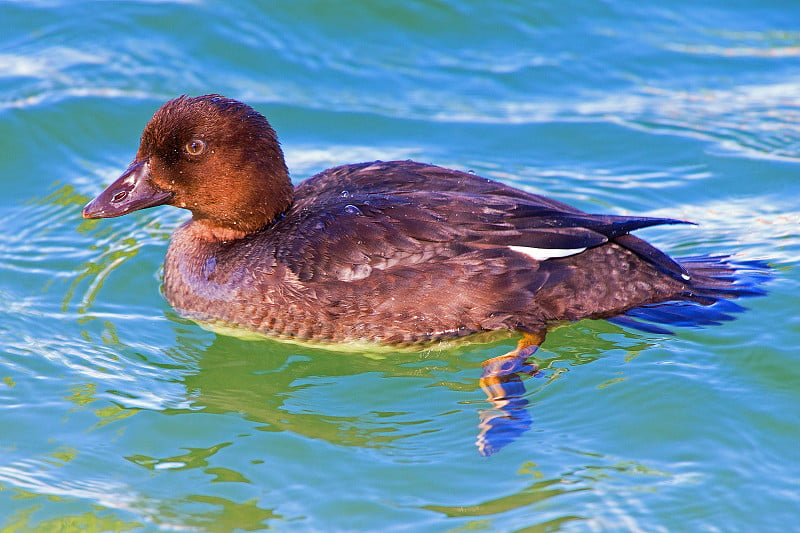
<point>653,255</point>
<point>714,282</point>
<point>717,277</point>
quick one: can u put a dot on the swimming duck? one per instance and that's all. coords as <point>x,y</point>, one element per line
<point>395,252</point>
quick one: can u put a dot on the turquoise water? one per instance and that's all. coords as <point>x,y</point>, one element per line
<point>120,416</point>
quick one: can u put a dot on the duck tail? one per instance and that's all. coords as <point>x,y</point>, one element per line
<point>714,281</point>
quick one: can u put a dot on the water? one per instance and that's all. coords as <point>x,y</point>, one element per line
<point>120,416</point>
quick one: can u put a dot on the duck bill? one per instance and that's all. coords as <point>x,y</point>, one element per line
<point>132,191</point>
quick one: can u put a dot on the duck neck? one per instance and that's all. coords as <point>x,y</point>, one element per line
<point>208,232</point>
<point>237,215</point>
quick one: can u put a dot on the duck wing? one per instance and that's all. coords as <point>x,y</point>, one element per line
<point>350,220</point>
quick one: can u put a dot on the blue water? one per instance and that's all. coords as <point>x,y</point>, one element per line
<point>118,415</point>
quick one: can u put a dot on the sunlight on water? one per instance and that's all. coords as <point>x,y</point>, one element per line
<point>305,161</point>
<point>122,416</point>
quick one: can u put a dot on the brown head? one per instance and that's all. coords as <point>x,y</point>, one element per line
<point>216,157</point>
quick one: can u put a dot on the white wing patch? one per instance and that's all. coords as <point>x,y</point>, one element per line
<point>541,254</point>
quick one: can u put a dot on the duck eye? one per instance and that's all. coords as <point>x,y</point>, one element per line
<point>195,147</point>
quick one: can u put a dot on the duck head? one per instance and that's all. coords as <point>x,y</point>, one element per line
<point>216,157</point>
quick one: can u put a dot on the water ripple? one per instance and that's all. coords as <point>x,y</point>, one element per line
<point>122,416</point>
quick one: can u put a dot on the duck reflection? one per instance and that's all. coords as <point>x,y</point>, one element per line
<point>509,417</point>
<point>346,399</point>
<point>316,393</point>
<point>502,383</point>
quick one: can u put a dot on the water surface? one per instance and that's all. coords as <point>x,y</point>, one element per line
<point>120,416</point>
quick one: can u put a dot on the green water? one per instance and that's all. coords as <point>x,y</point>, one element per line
<point>120,416</point>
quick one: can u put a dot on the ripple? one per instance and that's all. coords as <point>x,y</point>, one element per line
<point>306,160</point>
<point>757,119</point>
<point>737,51</point>
<point>772,43</point>
<point>115,406</point>
<point>765,230</point>
<point>55,265</point>
<point>35,475</point>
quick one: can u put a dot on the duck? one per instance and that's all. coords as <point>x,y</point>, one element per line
<point>390,253</point>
